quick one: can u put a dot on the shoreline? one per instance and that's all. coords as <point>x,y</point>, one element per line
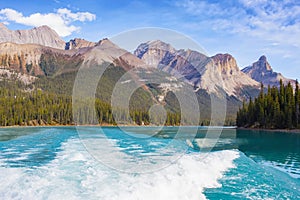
<point>110,125</point>
<point>135,125</point>
<point>63,125</point>
<point>270,130</point>
<point>297,131</point>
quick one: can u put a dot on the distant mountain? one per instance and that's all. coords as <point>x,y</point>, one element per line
<point>212,74</point>
<point>262,72</point>
<point>37,60</point>
<point>78,43</point>
<point>34,59</point>
<point>42,35</point>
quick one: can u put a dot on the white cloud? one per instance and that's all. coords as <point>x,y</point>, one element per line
<point>253,3</point>
<point>204,8</point>
<point>61,20</point>
<point>79,16</point>
<point>5,23</point>
<point>276,21</point>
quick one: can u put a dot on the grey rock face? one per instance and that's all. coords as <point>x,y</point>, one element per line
<point>201,71</point>
<point>42,35</point>
<point>78,43</point>
<point>262,72</point>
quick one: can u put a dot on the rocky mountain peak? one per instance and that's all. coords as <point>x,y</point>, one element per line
<point>44,28</point>
<point>263,58</point>
<point>225,63</point>
<point>105,42</point>
<point>224,58</point>
<point>153,46</point>
<point>262,71</point>
<point>78,43</point>
<point>158,44</point>
<point>155,52</point>
<point>42,35</point>
<point>262,64</point>
<point>3,27</point>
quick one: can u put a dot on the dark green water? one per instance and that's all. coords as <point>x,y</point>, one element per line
<point>279,148</point>
<point>268,167</point>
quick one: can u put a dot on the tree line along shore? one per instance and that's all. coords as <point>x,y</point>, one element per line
<point>276,108</point>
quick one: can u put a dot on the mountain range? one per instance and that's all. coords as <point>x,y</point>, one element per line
<point>39,58</point>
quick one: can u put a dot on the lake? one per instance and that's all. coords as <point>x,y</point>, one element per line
<point>148,163</point>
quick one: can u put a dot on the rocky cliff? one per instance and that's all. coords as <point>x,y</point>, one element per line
<point>226,64</point>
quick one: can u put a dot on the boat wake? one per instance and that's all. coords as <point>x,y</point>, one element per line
<point>75,174</point>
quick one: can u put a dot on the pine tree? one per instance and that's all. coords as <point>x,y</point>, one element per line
<point>297,103</point>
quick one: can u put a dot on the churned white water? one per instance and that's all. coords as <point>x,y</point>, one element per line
<point>75,174</point>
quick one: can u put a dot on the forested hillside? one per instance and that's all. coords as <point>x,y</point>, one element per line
<point>277,108</point>
<point>31,106</point>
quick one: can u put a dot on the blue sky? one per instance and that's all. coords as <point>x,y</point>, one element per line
<point>246,29</point>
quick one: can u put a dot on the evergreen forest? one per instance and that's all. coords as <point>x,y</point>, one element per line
<point>276,108</point>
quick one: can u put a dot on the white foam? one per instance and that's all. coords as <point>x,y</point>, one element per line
<point>74,174</point>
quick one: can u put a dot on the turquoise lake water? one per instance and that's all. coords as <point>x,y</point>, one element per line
<point>148,163</point>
